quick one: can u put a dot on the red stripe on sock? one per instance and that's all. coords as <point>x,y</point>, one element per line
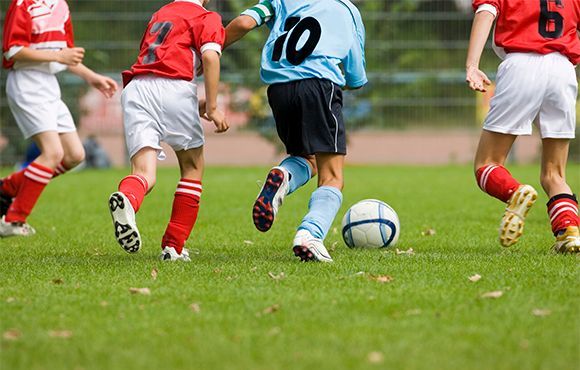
<point>61,169</point>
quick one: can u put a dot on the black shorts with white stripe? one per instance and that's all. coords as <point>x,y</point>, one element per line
<point>308,116</point>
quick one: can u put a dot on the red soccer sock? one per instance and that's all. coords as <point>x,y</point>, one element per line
<point>496,181</point>
<point>11,184</point>
<point>134,187</point>
<point>183,214</point>
<point>61,169</point>
<point>36,177</point>
<point>563,212</point>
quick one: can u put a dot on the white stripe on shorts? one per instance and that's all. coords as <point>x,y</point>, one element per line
<point>333,116</point>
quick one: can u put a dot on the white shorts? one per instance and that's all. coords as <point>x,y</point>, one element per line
<point>158,109</point>
<point>34,99</point>
<point>531,86</point>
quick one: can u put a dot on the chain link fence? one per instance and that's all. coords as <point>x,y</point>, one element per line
<point>415,57</point>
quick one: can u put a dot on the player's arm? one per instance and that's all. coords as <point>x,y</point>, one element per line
<point>238,28</point>
<point>249,19</point>
<point>355,64</point>
<point>17,38</point>
<point>211,71</point>
<point>106,85</point>
<point>482,23</point>
<point>68,56</point>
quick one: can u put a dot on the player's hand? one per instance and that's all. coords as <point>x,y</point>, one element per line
<point>70,56</point>
<point>202,110</point>
<point>219,120</point>
<point>107,86</point>
<point>476,79</point>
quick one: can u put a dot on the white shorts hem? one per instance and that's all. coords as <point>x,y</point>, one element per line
<point>558,135</point>
<point>136,149</point>
<point>503,130</point>
<point>194,145</point>
<point>28,135</point>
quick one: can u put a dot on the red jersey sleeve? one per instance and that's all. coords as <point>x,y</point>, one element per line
<point>70,37</point>
<point>495,3</point>
<point>209,33</point>
<point>17,28</point>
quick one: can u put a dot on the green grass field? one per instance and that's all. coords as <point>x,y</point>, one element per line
<point>245,302</point>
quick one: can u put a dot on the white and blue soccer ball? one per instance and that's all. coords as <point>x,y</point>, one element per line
<point>371,224</point>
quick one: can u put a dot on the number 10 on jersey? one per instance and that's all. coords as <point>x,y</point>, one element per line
<point>296,28</point>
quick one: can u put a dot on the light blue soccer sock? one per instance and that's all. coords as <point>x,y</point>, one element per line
<point>324,204</point>
<point>300,172</point>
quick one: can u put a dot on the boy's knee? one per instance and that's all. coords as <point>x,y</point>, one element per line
<point>53,156</point>
<point>74,158</point>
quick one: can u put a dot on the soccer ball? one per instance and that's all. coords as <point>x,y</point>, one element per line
<point>370,224</point>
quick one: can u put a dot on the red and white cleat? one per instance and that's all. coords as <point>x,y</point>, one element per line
<point>270,198</point>
<point>15,229</point>
<point>170,254</point>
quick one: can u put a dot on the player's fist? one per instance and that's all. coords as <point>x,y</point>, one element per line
<point>476,79</point>
<point>71,56</point>
<point>219,120</point>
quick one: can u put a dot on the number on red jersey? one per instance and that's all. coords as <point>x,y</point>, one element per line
<point>177,35</point>
<point>537,26</point>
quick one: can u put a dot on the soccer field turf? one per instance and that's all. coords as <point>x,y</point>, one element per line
<point>245,302</point>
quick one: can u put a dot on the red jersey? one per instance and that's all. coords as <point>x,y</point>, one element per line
<point>537,26</point>
<point>177,35</point>
<point>37,24</point>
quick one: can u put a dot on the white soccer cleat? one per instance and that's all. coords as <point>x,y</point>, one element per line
<point>270,198</point>
<point>15,229</point>
<point>123,215</point>
<point>170,254</point>
<point>512,223</point>
<point>568,241</point>
<point>309,248</point>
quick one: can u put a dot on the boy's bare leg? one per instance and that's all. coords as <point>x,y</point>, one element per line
<point>73,152</point>
<point>185,205</point>
<point>31,183</point>
<point>563,204</point>
<point>123,204</point>
<point>494,179</point>
<point>323,207</point>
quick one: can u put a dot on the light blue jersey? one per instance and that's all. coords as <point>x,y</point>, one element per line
<point>312,39</point>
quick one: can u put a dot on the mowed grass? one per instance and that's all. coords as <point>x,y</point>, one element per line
<point>65,300</point>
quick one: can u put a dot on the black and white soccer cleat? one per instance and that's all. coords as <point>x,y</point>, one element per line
<point>123,215</point>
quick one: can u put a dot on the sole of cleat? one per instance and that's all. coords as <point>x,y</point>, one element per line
<point>567,250</point>
<point>512,224</point>
<point>263,212</point>
<point>126,234</point>
<point>303,253</point>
